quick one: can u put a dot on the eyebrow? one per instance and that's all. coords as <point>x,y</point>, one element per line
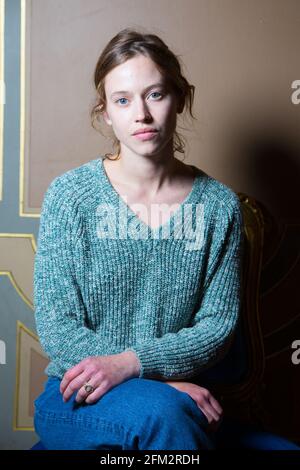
<point>161,84</point>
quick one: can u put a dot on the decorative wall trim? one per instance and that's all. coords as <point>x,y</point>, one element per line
<point>26,342</point>
<point>8,272</point>
<point>24,106</point>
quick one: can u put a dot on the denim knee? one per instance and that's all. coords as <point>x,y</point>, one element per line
<point>136,414</point>
<point>161,399</point>
<point>165,418</point>
<point>144,399</point>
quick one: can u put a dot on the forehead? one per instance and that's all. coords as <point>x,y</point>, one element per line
<point>137,72</point>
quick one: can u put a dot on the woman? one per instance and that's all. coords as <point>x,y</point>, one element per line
<point>138,271</point>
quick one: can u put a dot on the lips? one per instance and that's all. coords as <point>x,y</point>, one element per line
<point>144,131</point>
<point>146,136</point>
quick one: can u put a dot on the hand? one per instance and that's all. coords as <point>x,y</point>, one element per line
<point>204,400</point>
<point>101,372</point>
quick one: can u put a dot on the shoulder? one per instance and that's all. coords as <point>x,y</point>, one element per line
<point>76,179</point>
<point>218,198</point>
<point>222,195</point>
<point>64,200</point>
<point>223,217</point>
<point>72,186</point>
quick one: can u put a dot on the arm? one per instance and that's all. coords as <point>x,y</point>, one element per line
<point>60,312</point>
<point>192,349</point>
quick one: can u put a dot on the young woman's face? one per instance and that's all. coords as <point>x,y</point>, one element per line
<point>138,97</point>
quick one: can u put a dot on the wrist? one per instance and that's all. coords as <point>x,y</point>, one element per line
<point>131,363</point>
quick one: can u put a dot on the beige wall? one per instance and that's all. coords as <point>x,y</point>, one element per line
<point>242,57</point>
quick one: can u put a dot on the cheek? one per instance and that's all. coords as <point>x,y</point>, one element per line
<point>170,116</point>
<point>119,132</point>
<point>119,123</point>
<point>170,108</point>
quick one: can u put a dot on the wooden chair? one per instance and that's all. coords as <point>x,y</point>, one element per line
<point>241,394</point>
<point>243,400</point>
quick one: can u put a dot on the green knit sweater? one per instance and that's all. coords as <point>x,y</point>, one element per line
<point>105,282</point>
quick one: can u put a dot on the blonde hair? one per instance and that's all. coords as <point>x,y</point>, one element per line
<point>127,44</point>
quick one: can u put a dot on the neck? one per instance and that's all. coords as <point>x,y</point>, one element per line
<point>145,172</point>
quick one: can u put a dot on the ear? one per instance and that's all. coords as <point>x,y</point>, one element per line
<point>106,118</point>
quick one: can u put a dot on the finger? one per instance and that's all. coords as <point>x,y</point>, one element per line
<point>75,385</point>
<point>206,413</point>
<point>216,424</point>
<point>210,409</point>
<point>216,405</point>
<point>97,394</point>
<point>82,394</point>
<point>70,375</point>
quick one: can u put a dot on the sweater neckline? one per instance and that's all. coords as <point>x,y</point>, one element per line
<point>112,195</point>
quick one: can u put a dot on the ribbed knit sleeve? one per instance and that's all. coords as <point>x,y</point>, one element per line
<point>60,313</point>
<point>195,348</point>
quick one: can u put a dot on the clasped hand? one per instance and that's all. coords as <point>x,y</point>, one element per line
<point>105,372</point>
<point>101,373</point>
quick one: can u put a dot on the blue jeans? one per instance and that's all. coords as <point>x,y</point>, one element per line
<point>139,414</point>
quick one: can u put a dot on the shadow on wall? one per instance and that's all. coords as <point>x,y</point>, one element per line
<point>266,155</point>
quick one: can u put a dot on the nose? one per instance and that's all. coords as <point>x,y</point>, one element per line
<point>142,111</point>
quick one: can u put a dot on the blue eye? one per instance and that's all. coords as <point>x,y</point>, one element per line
<point>120,99</point>
<point>154,93</point>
